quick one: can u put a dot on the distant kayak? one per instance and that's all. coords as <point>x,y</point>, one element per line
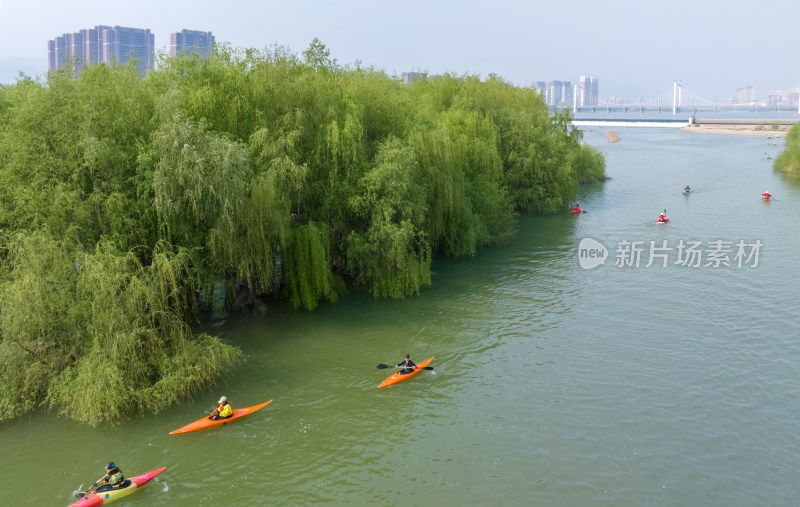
<point>103,497</point>
<point>687,192</point>
<point>666,219</point>
<point>206,423</point>
<point>396,378</point>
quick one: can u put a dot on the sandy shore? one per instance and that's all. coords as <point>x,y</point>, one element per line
<point>740,130</point>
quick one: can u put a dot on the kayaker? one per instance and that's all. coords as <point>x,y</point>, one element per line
<point>662,217</point>
<point>407,365</point>
<point>767,196</point>
<point>112,480</point>
<point>577,208</point>
<point>223,412</point>
<point>687,189</point>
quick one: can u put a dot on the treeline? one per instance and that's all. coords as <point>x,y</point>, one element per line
<point>789,159</point>
<point>128,205</point>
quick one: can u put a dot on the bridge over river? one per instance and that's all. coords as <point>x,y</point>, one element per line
<point>678,101</point>
<point>610,121</point>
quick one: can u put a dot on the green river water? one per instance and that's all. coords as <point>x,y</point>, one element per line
<point>553,385</point>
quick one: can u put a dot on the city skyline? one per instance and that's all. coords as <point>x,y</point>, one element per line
<point>118,45</point>
<point>636,50</point>
<point>102,44</point>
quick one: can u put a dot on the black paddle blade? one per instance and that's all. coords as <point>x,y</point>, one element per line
<point>382,366</point>
<point>427,368</point>
<point>79,494</point>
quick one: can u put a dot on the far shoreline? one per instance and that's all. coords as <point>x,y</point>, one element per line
<point>739,130</point>
<point>763,128</point>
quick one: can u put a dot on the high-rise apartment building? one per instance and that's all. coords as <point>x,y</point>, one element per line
<point>558,93</point>
<point>794,97</point>
<point>190,41</point>
<point>410,77</point>
<point>102,44</point>
<point>587,91</point>
<point>745,96</point>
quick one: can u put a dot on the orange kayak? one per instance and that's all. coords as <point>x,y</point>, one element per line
<point>205,422</point>
<point>396,377</point>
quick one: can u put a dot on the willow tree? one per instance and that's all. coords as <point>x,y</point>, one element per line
<point>391,255</point>
<point>306,263</point>
<point>141,354</point>
<point>200,182</point>
<point>42,319</point>
<point>538,160</point>
<point>467,207</point>
<point>789,159</point>
<point>99,330</point>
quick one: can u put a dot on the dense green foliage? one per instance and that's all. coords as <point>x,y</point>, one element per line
<point>789,159</point>
<point>128,204</point>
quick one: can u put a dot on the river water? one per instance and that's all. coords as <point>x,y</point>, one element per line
<point>553,384</point>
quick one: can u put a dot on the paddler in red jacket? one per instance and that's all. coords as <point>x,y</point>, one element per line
<point>767,195</point>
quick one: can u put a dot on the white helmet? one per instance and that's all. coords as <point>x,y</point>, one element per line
<point>224,399</point>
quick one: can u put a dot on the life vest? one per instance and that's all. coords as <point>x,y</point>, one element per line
<point>225,410</point>
<point>114,477</point>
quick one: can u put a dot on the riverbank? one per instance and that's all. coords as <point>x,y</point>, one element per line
<point>739,130</point>
<point>765,128</point>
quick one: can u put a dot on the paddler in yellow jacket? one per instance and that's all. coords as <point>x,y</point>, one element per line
<point>224,411</point>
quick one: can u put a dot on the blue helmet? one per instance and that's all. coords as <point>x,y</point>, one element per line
<point>110,465</point>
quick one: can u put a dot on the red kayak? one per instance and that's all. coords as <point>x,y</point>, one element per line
<point>396,378</point>
<point>205,422</point>
<point>103,497</point>
<point>666,219</point>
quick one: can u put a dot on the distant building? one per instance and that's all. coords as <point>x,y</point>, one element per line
<point>775,99</point>
<point>191,41</point>
<point>102,44</point>
<point>794,97</point>
<point>745,96</point>
<point>409,77</point>
<point>558,93</point>
<point>587,91</point>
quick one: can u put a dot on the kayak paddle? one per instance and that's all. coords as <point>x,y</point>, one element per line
<point>383,367</point>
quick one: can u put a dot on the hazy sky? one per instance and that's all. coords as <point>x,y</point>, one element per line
<point>636,48</point>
